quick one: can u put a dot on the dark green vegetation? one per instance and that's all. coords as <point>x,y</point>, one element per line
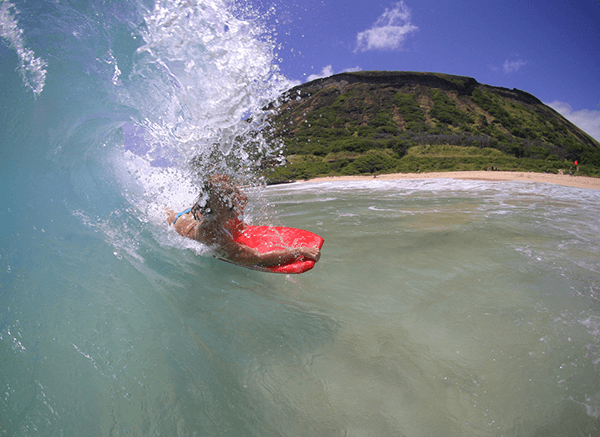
<point>383,122</point>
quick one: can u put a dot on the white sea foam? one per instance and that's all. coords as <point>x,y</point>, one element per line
<point>495,191</point>
<point>32,68</point>
<point>200,81</point>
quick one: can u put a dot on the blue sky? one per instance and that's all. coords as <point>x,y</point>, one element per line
<point>550,49</point>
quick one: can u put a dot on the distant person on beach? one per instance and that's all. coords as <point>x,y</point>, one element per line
<point>216,219</point>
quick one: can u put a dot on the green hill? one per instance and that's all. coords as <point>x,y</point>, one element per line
<point>382,122</point>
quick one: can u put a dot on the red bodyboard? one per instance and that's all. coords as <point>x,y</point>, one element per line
<point>268,238</point>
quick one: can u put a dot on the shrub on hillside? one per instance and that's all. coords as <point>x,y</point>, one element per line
<point>372,162</point>
<point>445,110</point>
<point>591,157</point>
<point>411,111</point>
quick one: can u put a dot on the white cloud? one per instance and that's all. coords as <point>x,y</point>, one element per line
<point>328,71</point>
<point>586,120</point>
<point>352,70</point>
<point>513,66</point>
<point>389,31</point>
<point>325,72</point>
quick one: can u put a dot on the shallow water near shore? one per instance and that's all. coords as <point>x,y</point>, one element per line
<point>462,308</point>
<point>440,307</point>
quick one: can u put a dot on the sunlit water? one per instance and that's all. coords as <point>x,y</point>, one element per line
<point>439,307</point>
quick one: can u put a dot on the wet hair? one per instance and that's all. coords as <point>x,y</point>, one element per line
<point>217,187</point>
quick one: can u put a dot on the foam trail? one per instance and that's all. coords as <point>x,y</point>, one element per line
<point>32,68</point>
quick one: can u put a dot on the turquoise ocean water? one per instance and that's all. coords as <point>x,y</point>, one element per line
<point>439,308</point>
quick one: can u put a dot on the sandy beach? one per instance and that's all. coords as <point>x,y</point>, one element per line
<point>494,176</point>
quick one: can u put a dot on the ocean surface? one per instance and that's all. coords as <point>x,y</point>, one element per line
<point>439,307</point>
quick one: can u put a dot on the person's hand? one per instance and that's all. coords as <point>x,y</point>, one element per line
<point>170,215</point>
<point>313,253</point>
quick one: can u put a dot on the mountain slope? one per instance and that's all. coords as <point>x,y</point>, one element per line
<point>368,122</point>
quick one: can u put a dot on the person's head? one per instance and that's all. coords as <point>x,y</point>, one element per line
<point>219,196</point>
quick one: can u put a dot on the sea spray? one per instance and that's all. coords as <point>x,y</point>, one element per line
<point>199,84</point>
<point>200,81</point>
<point>32,68</point>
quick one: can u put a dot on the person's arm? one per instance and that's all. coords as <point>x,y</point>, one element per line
<point>240,253</point>
<point>184,224</point>
<point>246,255</point>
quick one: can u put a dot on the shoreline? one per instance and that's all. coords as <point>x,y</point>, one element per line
<point>491,176</point>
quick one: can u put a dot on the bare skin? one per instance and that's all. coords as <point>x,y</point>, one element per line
<point>212,230</point>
